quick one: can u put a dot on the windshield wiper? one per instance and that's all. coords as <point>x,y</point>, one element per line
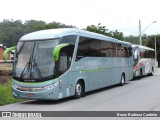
<point>28,66</point>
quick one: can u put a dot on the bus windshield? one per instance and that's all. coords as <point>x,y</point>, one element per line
<point>34,59</point>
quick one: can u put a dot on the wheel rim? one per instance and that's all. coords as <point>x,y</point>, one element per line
<point>78,89</point>
<point>122,79</point>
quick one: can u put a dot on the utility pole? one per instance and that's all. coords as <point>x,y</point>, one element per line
<point>155,42</point>
<point>140,36</point>
<point>140,33</point>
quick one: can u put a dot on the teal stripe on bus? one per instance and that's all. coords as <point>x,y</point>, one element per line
<point>94,70</point>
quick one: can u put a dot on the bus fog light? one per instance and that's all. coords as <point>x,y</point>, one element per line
<point>50,94</point>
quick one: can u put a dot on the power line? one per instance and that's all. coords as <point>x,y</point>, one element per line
<point>106,12</point>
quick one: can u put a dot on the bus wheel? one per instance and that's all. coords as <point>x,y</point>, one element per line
<point>151,74</point>
<point>78,90</point>
<point>141,73</point>
<point>122,80</point>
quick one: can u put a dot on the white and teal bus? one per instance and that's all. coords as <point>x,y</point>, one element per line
<point>144,60</point>
<point>59,63</point>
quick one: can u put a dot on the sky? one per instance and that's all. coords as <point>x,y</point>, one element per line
<point>121,15</point>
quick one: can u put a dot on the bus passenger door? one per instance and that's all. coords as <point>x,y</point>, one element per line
<point>65,60</point>
<point>63,65</point>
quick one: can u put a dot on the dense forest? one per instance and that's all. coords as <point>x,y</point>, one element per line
<point>12,30</point>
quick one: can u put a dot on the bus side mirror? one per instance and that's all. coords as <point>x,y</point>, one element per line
<point>57,49</point>
<point>5,54</point>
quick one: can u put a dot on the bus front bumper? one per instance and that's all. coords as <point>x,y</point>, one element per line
<point>51,93</point>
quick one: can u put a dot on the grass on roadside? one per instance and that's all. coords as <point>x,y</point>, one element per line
<point>6,96</point>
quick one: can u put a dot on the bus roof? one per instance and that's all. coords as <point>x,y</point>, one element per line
<point>142,47</point>
<point>60,32</point>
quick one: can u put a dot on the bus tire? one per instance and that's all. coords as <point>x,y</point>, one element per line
<point>151,74</point>
<point>122,80</point>
<point>79,90</point>
<point>141,73</point>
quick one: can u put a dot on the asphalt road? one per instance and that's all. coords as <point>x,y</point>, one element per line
<point>136,95</point>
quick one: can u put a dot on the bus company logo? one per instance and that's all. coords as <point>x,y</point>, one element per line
<point>6,114</point>
<point>29,80</point>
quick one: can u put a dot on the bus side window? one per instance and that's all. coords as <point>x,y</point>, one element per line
<point>88,47</point>
<point>130,51</point>
<point>126,52</point>
<point>83,48</point>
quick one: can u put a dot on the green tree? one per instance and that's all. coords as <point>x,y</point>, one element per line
<point>132,39</point>
<point>11,31</point>
<point>33,25</point>
<point>103,30</point>
<point>118,35</point>
<point>150,42</point>
<point>58,25</point>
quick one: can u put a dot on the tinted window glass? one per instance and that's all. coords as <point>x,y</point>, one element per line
<point>108,49</point>
<point>130,51</point>
<point>89,47</point>
<point>71,39</point>
<point>120,50</point>
<point>123,50</point>
<point>147,54</point>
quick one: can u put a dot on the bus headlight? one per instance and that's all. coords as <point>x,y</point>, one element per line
<point>15,86</point>
<point>48,87</point>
